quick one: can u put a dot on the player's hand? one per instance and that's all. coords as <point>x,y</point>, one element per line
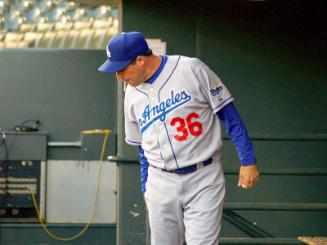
<point>249,175</point>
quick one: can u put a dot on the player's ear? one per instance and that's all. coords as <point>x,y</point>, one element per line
<point>140,60</point>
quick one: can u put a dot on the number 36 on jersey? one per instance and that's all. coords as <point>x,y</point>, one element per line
<point>187,127</point>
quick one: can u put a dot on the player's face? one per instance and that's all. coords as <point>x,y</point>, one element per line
<point>133,74</point>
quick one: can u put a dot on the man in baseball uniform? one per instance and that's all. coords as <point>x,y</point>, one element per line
<point>173,108</point>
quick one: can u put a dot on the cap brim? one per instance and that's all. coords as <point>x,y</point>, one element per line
<point>113,66</point>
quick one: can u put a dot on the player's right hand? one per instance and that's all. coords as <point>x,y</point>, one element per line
<point>249,175</point>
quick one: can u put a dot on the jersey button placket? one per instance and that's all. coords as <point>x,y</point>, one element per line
<point>166,147</point>
<point>161,134</point>
<point>152,96</point>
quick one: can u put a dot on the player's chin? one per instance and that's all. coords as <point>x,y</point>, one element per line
<point>133,83</point>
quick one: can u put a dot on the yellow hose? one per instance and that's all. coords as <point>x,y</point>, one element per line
<point>106,133</point>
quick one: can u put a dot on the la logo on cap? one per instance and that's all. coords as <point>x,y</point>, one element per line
<point>108,53</point>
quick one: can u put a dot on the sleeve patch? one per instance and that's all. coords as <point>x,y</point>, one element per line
<point>217,90</point>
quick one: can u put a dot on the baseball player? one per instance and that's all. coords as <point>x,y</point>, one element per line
<point>173,107</point>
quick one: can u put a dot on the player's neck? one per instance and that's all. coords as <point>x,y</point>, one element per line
<point>153,63</point>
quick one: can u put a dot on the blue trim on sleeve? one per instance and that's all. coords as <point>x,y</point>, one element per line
<point>237,132</point>
<point>144,168</point>
<point>226,102</point>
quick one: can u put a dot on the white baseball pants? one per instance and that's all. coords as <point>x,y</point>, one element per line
<point>185,207</point>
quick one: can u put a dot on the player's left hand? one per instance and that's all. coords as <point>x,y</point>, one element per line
<point>249,175</point>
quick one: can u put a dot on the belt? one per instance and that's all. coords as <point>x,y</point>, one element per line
<point>188,169</point>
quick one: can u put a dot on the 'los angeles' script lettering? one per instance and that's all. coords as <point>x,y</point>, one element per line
<point>159,111</point>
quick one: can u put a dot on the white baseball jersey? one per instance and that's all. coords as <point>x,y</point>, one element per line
<point>174,117</point>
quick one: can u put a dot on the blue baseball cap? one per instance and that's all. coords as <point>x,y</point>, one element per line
<point>122,49</point>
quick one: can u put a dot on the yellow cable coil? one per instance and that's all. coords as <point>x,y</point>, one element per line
<point>106,133</point>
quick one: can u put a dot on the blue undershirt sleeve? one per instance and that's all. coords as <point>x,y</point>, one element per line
<point>237,132</point>
<point>144,168</point>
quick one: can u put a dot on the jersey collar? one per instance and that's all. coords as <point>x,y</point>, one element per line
<point>158,71</point>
